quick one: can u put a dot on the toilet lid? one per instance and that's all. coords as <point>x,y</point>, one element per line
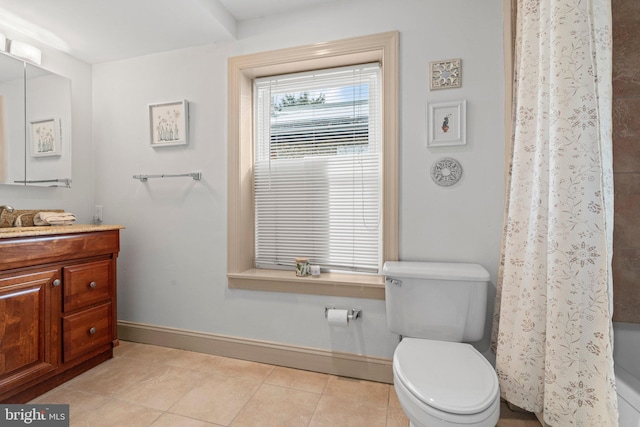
<point>451,377</point>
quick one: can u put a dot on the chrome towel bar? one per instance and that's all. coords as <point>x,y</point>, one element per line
<point>65,181</point>
<point>197,176</point>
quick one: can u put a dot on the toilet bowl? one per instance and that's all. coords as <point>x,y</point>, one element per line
<point>441,383</point>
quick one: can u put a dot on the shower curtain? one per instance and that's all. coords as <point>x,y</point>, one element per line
<point>553,336</point>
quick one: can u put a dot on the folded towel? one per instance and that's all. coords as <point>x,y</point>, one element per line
<point>54,218</point>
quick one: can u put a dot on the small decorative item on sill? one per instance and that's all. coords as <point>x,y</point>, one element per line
<point>315,270</point>
<point>302,267</point>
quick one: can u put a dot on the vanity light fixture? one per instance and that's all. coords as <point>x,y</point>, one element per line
<point>25,51</point>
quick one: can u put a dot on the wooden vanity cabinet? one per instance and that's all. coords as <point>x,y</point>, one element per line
<point>57,309</point>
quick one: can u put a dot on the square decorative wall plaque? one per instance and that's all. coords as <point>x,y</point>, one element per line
<point>446,74</point>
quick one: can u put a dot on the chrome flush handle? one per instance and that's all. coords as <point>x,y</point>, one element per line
<point>395,282</point>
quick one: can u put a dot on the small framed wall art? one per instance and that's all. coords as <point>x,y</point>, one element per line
<point>169,123</point>
<point>445,74</point>
<point>446,123</point>
<point>45,138</point>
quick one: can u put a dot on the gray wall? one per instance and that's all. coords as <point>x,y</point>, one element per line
<point>172,267</point>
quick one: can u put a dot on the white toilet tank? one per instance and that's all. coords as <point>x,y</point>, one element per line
<point>435,300</point>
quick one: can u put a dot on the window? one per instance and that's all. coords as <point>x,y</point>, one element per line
<point>275,152</point>
<point>317,169</point>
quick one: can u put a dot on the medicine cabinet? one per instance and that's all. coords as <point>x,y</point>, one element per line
<point>35,125</point>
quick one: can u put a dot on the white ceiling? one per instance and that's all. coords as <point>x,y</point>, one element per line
<point>105,30</point>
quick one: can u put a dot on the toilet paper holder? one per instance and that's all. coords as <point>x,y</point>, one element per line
<point>352,314</point>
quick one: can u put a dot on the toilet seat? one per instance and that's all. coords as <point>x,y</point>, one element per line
<point>449,380</point>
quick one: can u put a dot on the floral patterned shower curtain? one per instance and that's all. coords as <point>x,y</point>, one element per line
<point>553,339</point>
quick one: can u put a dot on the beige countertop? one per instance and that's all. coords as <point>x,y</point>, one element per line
<point>8,232</point>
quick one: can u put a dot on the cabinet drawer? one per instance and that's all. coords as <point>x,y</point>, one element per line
<point>84,331</point>
<point>86,284</point>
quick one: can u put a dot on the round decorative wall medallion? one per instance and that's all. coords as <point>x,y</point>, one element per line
<point>446,171</point>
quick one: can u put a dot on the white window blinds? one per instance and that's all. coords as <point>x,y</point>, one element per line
<point>317,169</point>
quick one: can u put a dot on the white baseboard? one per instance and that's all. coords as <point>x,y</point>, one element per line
<point>309,359</point>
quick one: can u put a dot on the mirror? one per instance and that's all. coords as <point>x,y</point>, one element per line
<point>12,120</point>
<point>36,125</point>
<point>48,128</point>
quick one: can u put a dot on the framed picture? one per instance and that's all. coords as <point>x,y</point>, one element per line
<point>446,123</point>
<point>445,74</point>
<point>169,123</point>
<point>45,137</point>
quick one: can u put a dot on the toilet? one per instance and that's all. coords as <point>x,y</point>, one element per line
<point>437,308</point>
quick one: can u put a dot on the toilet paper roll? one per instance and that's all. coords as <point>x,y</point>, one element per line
<point>337,317</point>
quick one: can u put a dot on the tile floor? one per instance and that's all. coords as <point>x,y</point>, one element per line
<point>145,385</point>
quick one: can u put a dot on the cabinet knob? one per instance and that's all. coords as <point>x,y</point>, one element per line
<point>92,331</point>
<point>56,282</point>
<point>92,285</point>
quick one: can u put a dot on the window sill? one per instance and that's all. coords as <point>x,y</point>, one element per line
<point>334,284</point>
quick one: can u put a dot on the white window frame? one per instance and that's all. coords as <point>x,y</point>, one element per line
<point>242,70</point>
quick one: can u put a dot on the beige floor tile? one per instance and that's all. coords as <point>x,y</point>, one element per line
<point>393,398</point>
<point>80,402</point>
<point>118,413</point>
<point>113,376</point>
<point>337,411</point>
<point>236,368</point>
<point>149,353</point>
<point>396,418</point>
<point>395,414</point>
<point>373,393</point>
<point>202,390</point>
<point>173,420</point>
<point>277,406</point>
<point>122,347</point>
<point>191,359</point>
<point>313,382</point>
<point>216,399</point>
<point>163,389</point>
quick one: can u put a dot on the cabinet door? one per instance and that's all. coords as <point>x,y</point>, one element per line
<point>27,349</point>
